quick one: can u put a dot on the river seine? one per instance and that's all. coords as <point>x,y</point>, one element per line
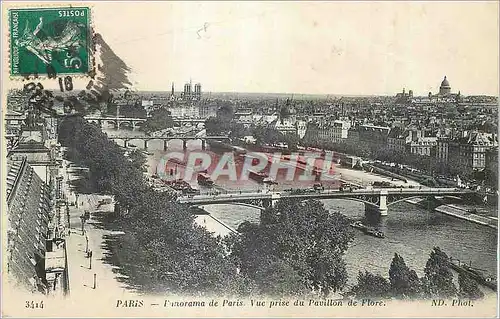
<point>410,231</point>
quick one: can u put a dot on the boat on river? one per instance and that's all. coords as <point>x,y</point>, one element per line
<point>204,179</point>
<point>269,181</point>
<point>183,186</point>
<point>374,232</point>
<point>257,176</point>
<point>479,275</point>
<point>359,225</point>
<point>367,230</point>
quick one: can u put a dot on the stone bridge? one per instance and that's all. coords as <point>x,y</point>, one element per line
<point>134,122</point>
<point>165,139</point>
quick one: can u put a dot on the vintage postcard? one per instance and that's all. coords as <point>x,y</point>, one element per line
<point>250,159</point>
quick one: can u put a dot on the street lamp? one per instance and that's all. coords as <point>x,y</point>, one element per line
<point>82,218</point>
<point>90,259</point>
<point>86,243</point>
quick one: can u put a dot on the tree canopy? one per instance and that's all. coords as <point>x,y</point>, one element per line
<point>404,281</point>
<point>468,288</point>
<point>438,275</point>
<point>305,236</point>
<point>159,120</point>
<point>371,286</point>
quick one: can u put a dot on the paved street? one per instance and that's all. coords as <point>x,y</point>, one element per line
<point>81,273</point>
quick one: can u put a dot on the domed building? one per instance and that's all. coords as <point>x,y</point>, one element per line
<point>445,88</point>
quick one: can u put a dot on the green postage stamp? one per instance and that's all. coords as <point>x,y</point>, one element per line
<point>50,41</point>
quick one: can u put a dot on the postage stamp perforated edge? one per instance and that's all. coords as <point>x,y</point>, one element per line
<point>30,5</point>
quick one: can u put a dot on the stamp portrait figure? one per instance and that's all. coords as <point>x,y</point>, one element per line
<point>50,39</point>
<point>68,40</point>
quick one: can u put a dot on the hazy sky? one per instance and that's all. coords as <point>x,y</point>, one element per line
<point>306,47</point>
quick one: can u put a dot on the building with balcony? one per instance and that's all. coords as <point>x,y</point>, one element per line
<point>442,144</point>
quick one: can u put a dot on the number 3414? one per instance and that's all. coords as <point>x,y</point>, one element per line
<point>34,305</point>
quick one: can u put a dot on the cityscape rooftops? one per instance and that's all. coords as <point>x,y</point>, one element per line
<point>479,138</point>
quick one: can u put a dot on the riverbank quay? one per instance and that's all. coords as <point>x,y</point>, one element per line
<point>214,225</point>
<point>459,212</point>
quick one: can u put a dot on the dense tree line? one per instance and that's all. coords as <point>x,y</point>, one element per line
<point>299,244</point>
<point>223,123</point>
<point>159,120</point>
<point>404,283</point>
<point>429,164</point>
<point>296,249</point>
<point>182,257</point>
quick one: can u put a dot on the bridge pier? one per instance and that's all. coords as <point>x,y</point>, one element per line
<point>125,142</point>
<point>266,203</point>
<point>203,144</point>
<point>380,208</point>
<point>165,145</point>
<point>431,203</point>
<point>145,144</point>
<point>275,198</point>
<point>184,145</point>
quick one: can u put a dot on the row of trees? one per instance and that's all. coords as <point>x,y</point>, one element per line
<point>296,249</point>
<point>404,282</point>
<point>429,164</point>
<point>159,120</point>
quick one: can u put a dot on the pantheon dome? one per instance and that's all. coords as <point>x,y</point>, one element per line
<point>445,87</point>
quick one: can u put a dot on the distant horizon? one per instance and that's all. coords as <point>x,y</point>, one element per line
<point>346,48</point>
<point>306,94</point>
